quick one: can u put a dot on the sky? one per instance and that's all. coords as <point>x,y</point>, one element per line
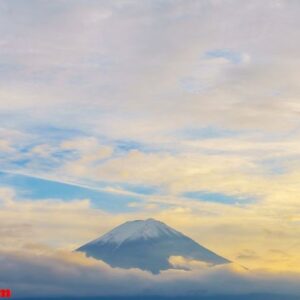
<point>180,110</point>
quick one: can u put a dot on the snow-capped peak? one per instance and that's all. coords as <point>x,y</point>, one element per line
<point>139,229</point>
<point>147,245</point>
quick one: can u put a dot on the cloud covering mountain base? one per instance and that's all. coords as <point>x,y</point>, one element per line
<point>44,273</point>
<point>147,245</point>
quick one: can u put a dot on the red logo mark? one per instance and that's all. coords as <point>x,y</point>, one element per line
<point>5,293</point>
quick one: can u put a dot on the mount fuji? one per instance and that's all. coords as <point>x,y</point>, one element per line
<point>147,245</point>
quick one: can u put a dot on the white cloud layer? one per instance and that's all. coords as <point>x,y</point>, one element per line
<point>133,70</point>
<point>49,273</point>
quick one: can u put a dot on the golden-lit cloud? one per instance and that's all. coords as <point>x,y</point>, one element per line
<point>257,235</point>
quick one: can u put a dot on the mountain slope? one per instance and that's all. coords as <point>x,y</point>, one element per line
<point>147,245</point>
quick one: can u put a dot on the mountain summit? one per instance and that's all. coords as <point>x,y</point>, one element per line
<point>147,245</point>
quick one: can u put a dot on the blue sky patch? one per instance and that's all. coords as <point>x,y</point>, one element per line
<point>208,133</point>
<point>218,197</point>
<point>39,189</point>
<point>141,189</point>
<point>230,55</point>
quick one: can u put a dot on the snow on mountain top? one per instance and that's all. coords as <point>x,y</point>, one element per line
<point>139,229</point>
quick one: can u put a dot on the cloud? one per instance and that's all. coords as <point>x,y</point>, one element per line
<point>121,74</point>
<point>48,273</point>
<point>50,222</point>
<point>90,153</point>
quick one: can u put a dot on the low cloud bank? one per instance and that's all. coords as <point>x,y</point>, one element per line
<point>47,273</point>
